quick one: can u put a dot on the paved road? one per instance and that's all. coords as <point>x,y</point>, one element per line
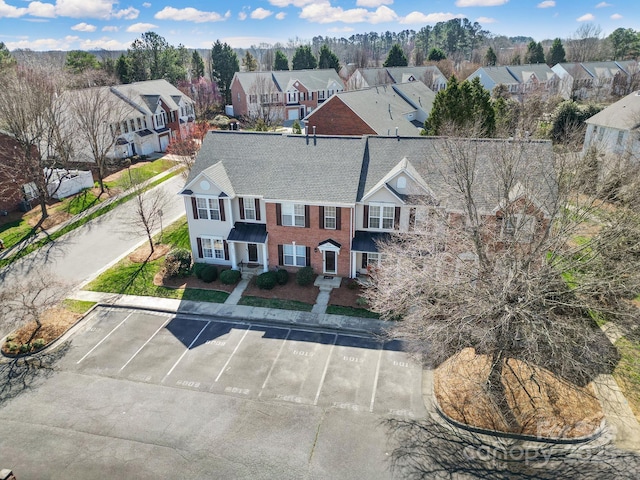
<point>141,394</point>
<point>82,253</point>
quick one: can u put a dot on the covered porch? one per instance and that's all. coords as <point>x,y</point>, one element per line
<point>364,251</point>
<point>248,246</point>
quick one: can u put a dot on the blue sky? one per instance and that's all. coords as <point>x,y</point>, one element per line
<point>112,25</point>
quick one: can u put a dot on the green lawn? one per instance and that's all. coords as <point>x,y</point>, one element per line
<point>141,174</point>
<point>627,372</point>
<point>352,312</point>
<point>11,233</point>
<point>79,203</point>
<point>275,303</point>
<point>177,234</point>
<point>77,306</point>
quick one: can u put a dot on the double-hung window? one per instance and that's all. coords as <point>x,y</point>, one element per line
<point>294,255</point>
<point>212,248</point>
<point>293,215</point>
<point>208,208</point>
<point>330,218</point>
<point>249,209</point>
<point>381,216</point>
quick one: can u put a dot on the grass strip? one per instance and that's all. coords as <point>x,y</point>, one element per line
<point>351,311</point>
<point>250,301</point>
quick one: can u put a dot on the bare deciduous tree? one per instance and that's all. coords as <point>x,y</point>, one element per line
<point>500,265</point>
<point>266,103</point>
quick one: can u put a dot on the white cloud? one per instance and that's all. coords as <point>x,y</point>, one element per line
<point>286,3</point>
<point>480,3</point>
<point>244,42</point>
<point>485,20</point>
<point>260,13</point>
<point>84,27</point>
<point>39,9</point>
<point>9,11</point>
<point>373,3</point>
<point>547,4</point>
<point>127,13</point>
<point>84,8</point>
<point>616,16</point>
<point>603,5</point>
<point>280,16</point>
<point>44,44</point>
<point>587,17</point>
<point>419,17</point>
<point>110,28</point>
<point>323,12</point>
<point>340,29</point>
<point>242,16</point>
<point>189,14</point>
<point>146,4</point>
<point>141,27</point>
<point>104,43</point>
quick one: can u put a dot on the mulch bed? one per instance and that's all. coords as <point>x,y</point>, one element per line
<point>191,282</point>
<point>55,322</point>
<point>347,295</point>
<point>549,407</point>
<point>290,291</point>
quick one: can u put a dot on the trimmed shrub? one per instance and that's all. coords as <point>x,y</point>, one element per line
<point>282,276</point>
<point>266,280</point>
<point>12,347</point>
<point>304,276</point>
<point>230,277</point>
<point>353,284</point>
<point>208,273</point>
<point>177,263</point>
<point>25,347</point>
<point>197,269</point>
<point>38,343</point>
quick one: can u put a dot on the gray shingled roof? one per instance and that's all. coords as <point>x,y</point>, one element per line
<point>499,75</point>
<point>146,94</point>
<point>343,169</point>
<point>576,70</point>
<point>428,156</point>
<point>313,80</point>
<point>541,70</point>
<point>383,108</point>
<point>400,74</point>
<point>285,167</point>
<point>249,79</point>
<point>602,69</point>
<point>623,114</point>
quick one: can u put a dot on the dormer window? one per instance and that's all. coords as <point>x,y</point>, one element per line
<point>401,183</point>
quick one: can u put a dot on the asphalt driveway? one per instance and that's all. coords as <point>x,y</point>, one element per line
<point>141,394</point>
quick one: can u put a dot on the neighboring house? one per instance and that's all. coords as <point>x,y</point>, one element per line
<point>597,80</point>
<point>397,109</point>
<point>519,80</point>
<point>145,116</point>
<point>614,131</point>
<point>15,186</point>
<point>282,95</point>
<point>430,75</point>
<point>290,201</point>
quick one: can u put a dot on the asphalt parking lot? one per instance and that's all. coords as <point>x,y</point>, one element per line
<point>148,395</point>
<point>266,362</point>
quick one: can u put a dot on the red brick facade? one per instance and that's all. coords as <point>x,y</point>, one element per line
<point>335,118</point>
<point>310,237</point>
<point>11,179</point>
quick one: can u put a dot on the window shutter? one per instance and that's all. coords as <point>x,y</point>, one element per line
<point>396,219</point>
<point>241,200</point>
<point>338,217</point>
<point>194,207</point>
<point>365,217</point>
<point>412,218</point>
<point>364,260</point>
<point>221,206</point>
<point>257,202</point>
<point>307,217</point>
<point>225,245</point>
<point>279,215</point>
<point>280,255</point>
<point>321,215</point>
<point>199,241</point>
<point>308,256</point>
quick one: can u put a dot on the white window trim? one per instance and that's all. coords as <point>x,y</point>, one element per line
<point>380,218</point>
<point>328,217</point>
<point>249,208</point>
<point>211,207</point>
<point>209,245</point>
<point>294,255</point>
<point>289,210</point>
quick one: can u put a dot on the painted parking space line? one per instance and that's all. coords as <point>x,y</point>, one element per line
<point>375,381</point>
<point>232,354</point>
<point>273,364</point>
<point>104,338</point>
<point>326,368</point>
<point>185,352</point>
<point>146,343</point>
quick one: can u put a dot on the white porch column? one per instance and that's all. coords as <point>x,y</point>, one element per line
<point>265,258</point>
<point>232,256</point>
<point>354,264</point>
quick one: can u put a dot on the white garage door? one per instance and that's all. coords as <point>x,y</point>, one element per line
<point>292,114</point>
<point>164,142</point>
